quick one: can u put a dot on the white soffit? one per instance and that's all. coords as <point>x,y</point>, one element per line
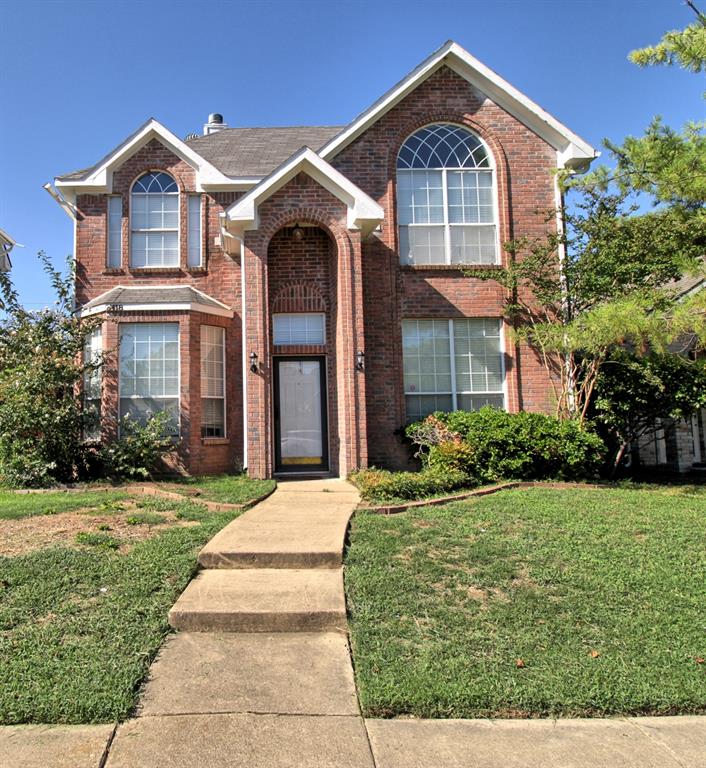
<point>99,179</point>
<point>363,212</point>
<point>572,150</point>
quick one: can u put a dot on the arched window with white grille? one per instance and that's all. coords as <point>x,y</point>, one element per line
<point>446,199</point>
<point>154,221</point>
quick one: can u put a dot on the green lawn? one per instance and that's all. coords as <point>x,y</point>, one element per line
<point>228,489</point>
<point>532,602</point>
<point>80,625</point>
<point>16,505</point>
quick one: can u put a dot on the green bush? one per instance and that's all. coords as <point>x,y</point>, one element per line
<point>497,445</point>
<point>137,453</point>
<point>100,540</point>
<point>382,485</point>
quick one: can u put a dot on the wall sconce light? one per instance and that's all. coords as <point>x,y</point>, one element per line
<point>253,362</point>
<point>360,361</point>
<point>298,233</point>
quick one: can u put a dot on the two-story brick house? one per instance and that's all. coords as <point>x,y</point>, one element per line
<point>292,296</point>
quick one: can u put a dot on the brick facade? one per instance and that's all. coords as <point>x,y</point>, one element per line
<point>360,285</point>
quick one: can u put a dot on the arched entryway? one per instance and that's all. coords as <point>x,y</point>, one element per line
<point>302,299</point>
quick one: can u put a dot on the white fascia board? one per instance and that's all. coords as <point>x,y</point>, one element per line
<point>152,307</point>
<point>572,149</point>
<point>99,179</point>
<point>363,212</point>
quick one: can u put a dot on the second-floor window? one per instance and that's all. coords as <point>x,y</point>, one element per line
<point>154,221</point>
<point>446,208</point>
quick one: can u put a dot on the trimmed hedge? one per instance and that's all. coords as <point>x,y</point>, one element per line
<point>382,485</point>
<point>495,445</point>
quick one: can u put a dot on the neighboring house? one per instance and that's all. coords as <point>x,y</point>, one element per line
<point>6,245</point>
<point>678,445</point>
<point>293,296</point>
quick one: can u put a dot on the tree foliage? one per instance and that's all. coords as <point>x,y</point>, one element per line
<point>685,48</point>
<point>633,392</point>
<point>41,369</point>
<point>603,282</point>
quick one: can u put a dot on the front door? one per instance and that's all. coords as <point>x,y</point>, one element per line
<point>301,441</point>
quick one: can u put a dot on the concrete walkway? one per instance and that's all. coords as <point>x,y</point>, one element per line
<point>260,676</point>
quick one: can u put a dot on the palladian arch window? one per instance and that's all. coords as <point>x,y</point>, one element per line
<point>446,198</point>
<point>154,221</point>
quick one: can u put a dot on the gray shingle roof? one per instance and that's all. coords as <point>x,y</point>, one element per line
<point>258,151</point>
<point>179,294</point>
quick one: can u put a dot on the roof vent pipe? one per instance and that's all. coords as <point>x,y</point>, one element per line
<point>215,123</point>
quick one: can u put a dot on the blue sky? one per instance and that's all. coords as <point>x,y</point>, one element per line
<point>78,77</point>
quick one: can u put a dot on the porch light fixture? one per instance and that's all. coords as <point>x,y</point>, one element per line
<point>253,362</point>
<point>298,233</point>
<point>360,361</point>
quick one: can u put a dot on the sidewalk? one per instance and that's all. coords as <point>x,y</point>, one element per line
<point>270,693</point>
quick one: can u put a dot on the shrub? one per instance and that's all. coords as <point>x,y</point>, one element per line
<point>522,446</point>
<point>382,485</point>
<point>138,451</point>
<point>41,370</point>
<point>100,540</point>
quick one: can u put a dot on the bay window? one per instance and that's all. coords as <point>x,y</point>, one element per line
<point>452,365</point>
<point>92,385</point>
<point>213,393</point>
<point>149,372</point>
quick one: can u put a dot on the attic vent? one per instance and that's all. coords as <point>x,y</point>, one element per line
<point>215,123</point>
<point>190,136</point>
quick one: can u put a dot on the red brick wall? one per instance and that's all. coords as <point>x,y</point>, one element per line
<point>524,181</point>
<point>362,283</point>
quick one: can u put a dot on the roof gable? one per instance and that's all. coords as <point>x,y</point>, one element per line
<point>99,178</point>
<point>363,212</point>
<point>572,150</point>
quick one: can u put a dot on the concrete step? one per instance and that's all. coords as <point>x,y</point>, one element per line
<point>284,532</point>
<point>286,673</point>
<point>262,600</point>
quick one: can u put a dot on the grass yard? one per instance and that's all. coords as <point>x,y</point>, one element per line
<point>84,597</point>
<point>227,489</point>
<point>533,602</point>
<point>14,506</point>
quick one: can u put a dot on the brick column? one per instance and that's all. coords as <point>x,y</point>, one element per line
<point>349,341</point>
<point>259,384</point>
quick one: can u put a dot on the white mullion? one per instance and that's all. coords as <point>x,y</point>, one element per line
<point>452,352</point>
<point>447,230</point>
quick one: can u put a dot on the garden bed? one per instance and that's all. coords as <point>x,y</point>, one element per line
<point>529,603</point>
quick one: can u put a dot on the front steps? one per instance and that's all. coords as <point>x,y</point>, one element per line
<point>262,600</point>
<point>276,568</point>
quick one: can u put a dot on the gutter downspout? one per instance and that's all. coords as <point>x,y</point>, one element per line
<point>226,234</point>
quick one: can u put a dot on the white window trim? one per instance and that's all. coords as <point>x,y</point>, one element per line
<point>160,397</point>
<point>225,389</point>
<point>455,392</point>
<point>178,226</point>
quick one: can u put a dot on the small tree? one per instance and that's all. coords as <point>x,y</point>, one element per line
<point>633,392</point>
<point>41,370</point>
<point>602,283</point>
